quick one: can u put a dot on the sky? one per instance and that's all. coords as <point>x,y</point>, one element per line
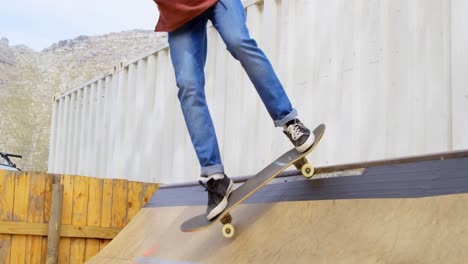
<point>40,23</point>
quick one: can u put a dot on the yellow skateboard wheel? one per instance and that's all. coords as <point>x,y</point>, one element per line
<point>228,230</point>
<point>307,170</point>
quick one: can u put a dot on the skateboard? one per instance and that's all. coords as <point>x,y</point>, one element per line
<point>292,157</point>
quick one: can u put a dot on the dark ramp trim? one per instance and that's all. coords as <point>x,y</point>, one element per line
<point>409,180</point>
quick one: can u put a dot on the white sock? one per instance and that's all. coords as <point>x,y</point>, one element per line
<point>217,176</point>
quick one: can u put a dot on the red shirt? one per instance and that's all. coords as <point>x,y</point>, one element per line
<point>175,13</point>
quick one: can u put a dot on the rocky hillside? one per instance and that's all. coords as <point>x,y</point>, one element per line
<point>29,80</point>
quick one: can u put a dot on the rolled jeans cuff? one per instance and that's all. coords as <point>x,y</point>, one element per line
<point>286,119</point>
<point>210,170</point>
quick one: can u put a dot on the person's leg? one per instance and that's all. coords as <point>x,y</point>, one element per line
<point>229,19</point>
<point>188,46</point>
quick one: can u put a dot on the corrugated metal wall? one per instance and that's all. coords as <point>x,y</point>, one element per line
<point>388,77</point>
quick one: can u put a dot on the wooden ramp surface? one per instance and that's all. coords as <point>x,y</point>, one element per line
<point>414,212</point>
<point>415,230</point>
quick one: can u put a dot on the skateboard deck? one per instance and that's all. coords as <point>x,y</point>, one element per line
<point>292,157</point>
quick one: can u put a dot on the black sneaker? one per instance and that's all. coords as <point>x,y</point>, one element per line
<point>300,136</point>
<point>218,194</point>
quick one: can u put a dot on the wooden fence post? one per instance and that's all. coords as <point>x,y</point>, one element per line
<point>55,222</point>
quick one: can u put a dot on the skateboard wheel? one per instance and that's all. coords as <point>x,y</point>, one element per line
<point>228,230</point>
<point>307,170</point>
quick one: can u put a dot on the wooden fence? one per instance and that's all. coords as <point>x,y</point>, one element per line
<point>93,212</point>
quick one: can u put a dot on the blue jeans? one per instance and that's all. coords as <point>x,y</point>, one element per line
<point>188,50</point>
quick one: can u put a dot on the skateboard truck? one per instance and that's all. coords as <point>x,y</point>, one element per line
<point>305,167</point>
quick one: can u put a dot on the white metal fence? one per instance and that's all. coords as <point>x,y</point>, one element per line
<point>388,77</point>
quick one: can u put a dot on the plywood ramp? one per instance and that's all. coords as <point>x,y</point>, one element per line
<point>407,230</point>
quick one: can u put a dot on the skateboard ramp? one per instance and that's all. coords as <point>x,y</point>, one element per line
<point>413,212</point>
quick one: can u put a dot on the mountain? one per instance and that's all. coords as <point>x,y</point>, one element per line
<point>29,80</point>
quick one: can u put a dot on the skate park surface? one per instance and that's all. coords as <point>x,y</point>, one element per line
<point>410,210</point>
